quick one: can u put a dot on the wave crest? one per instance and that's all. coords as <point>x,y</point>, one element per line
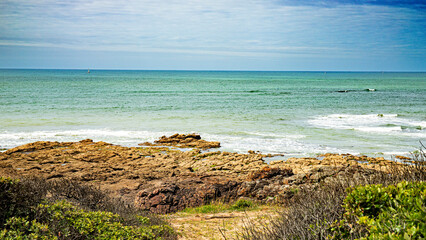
<point>376,123</point>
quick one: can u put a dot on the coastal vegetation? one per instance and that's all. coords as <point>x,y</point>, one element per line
<point>33,208</point>
<point>390,204</point>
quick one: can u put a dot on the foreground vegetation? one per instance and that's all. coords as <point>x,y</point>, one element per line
<point>392,212</point>
<point>33,208</point>
<point>390,204</point>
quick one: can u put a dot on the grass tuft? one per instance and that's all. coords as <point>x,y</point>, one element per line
<point>242,205</point>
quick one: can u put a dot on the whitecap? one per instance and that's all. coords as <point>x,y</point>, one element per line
<point>373,123</point>
<point>274,145</point>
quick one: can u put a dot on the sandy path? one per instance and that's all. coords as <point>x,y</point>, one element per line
<point>210,225</point>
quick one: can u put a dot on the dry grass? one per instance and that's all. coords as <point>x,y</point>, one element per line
<point>218,225</point>
<point>309,214</point>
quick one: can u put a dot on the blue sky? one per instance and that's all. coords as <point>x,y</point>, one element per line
<point>363,35</point>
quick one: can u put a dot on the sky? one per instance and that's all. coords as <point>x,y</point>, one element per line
<point>270,35</point>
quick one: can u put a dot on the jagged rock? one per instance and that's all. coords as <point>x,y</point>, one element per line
<point>171,196</point>
<point>183,141</point>
<point>165,180</point>
<point>268,172</point>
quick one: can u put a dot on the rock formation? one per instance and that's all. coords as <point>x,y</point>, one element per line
<point>183,141</point>
<point>163,179</point>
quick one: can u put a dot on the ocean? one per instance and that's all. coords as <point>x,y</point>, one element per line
<point>290,113</point>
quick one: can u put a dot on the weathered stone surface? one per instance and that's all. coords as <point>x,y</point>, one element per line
<point>184,141</point>
<point>165,180</point>
<point>268,172</point>
<point>402,157</point>
<point>170,196</point>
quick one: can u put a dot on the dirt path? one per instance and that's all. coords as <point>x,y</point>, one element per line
<point>210,225</point>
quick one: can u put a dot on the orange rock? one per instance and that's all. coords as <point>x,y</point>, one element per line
<point>184,141</point>
<point>402,157</point>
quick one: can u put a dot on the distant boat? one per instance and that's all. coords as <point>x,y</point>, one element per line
<point>88,70</point>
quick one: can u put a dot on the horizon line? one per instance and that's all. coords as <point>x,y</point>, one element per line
<point>211,70</point>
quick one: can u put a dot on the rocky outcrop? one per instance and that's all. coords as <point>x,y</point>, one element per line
<point>170,196</point>
<point>282,185</point>
<point>183,141</point>
<point>162,179</point>
<point>268,172</point>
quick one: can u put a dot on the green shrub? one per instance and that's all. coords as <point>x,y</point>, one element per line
<point>65,221</point>
<point>71,221</point>
<point>21,228</point>
<point>32,208</point>
<point>392,212</point>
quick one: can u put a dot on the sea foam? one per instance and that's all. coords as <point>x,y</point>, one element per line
<point>386,124</point>
<point>263,142</point>
<point>270,143</point>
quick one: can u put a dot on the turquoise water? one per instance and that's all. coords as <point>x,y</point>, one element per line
<point>294,113</point>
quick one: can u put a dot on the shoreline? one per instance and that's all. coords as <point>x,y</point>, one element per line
<point>269,156</point>
<point>276,155</point>
<point>161,179</point>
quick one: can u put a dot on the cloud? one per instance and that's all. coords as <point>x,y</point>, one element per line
<point>244,28</point>
<point>416,4</point>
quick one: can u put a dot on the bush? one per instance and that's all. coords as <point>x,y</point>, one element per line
<point>393,212</point>
<point>65,221</point>
<point>32,208</point>
<point>19,197</point>
<point>21,228</point>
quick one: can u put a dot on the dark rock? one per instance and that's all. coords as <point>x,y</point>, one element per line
<point>170,196</point>
<point>184,141</point>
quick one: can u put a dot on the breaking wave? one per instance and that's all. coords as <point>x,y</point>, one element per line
<point>386,124</point>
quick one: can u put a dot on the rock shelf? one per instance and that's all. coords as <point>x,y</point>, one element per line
<point>164,180</point>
